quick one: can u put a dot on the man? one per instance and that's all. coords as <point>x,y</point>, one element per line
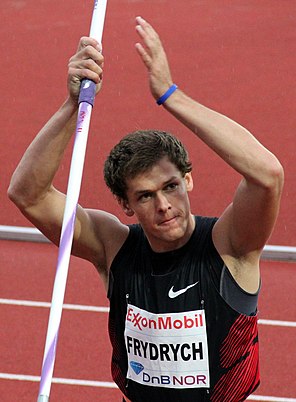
<point>183,289</point>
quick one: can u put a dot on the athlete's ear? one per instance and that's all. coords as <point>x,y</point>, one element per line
<point>125,206</point>
<point>189,181</point>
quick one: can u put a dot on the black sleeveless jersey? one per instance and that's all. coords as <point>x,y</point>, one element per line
<point>146,304</point>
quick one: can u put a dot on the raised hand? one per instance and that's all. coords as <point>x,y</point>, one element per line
<point>88,63</point>
<point>154,58</point>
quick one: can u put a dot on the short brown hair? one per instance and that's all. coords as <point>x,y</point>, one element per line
<point>137,152</point>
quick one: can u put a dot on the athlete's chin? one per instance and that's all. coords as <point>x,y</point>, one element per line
<point>171,233</point>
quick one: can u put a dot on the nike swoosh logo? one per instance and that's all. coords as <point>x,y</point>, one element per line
<point>173,294</point>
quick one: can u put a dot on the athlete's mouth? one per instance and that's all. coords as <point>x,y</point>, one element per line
<point>168,221</point>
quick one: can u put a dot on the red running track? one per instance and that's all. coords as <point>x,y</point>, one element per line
<point>83,348</point>
<point>236,57</point>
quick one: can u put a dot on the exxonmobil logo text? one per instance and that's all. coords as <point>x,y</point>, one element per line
<point>142,321</point>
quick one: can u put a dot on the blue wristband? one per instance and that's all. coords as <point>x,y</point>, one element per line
<point>167,94</point>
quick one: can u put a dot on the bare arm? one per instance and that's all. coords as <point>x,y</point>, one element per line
<point>245,226</point>
<point>31,186</point>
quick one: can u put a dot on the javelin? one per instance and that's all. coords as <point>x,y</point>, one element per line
<point>86,102</point>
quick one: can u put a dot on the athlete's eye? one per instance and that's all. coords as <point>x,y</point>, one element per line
<point>171,186</point>
<point>145,197</point>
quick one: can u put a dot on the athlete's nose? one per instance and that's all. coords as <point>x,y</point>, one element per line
<point>162,203</point>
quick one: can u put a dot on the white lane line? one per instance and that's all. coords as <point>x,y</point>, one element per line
<point>65,381</point>
<point>31,234</point>
<point>109,384</point>
<point>29,303</point>
<point>270,398</point>
<point>101,309</point>
<point>278,323</point>
<point>103,384</point>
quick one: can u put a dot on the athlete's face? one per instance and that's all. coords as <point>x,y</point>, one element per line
<point>159,199</point>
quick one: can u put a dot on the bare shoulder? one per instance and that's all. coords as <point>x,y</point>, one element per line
<point>110,232</point>
<point>244,267</point>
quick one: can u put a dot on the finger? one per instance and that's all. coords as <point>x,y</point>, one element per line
<point>88,53</point>
<point>77,75</point>
<point>91,65</point>
<point>148,35</point>
<point>146,27</point>
<point>145,30</point>
<point>144,55</point>
<point>88,41</point>
<point>86,69</point>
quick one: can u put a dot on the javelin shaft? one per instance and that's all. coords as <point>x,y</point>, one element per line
<point>74,185</point>
<point>98,19</point>
<point>86,100</point>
